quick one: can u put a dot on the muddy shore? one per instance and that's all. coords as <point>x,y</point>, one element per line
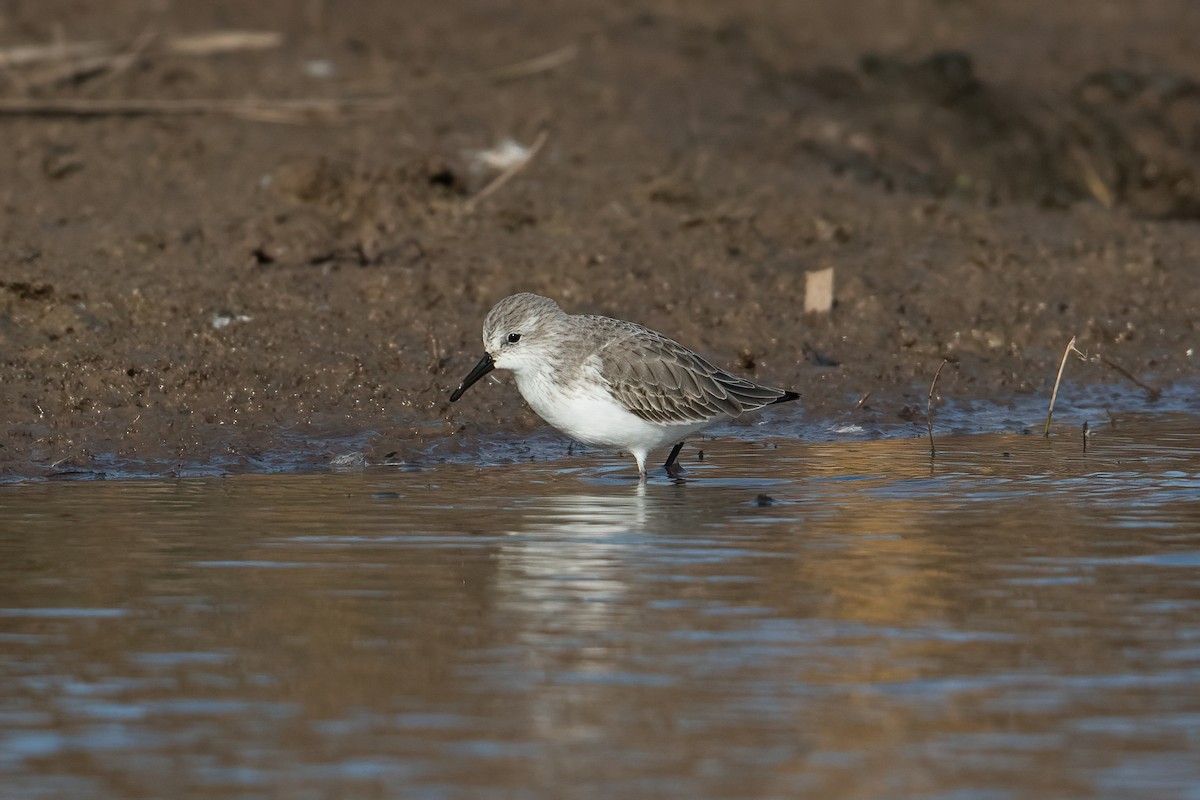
<point>986,181</point>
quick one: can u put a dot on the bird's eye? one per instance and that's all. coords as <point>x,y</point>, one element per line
<point>513,338</point>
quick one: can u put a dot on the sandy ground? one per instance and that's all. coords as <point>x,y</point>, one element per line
<point>986,179</point>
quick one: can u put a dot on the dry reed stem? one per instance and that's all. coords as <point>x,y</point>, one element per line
<point>201,44</point>
<point>258,110</point>
<point>929,405</point>
<point>1054,395</point>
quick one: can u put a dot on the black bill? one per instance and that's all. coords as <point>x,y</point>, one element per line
<point>485,365</point>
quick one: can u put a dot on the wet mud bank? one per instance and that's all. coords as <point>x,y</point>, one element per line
<point>229,289</point>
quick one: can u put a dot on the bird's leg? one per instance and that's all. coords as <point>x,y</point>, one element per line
<point>673,469</point>
<point>641,464</point>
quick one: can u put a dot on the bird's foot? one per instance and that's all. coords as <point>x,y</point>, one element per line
<point>674,471</point>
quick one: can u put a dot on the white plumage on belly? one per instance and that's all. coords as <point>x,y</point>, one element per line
<point>587,412</point>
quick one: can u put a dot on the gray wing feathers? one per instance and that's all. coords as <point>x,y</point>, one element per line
<point>662,381</point>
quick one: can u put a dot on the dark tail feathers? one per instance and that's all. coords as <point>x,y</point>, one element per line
<point>787,396</point>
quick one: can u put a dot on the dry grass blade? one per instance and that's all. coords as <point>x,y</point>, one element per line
<point>259,110</point>
<point>77,62</point>
<point>215,42</point>
<point>201,44</point>
<point>929,405</point>
<point>1091,178</point>
<point>38,53</point>
<point>83,107</point>
<point>533,66</point>
<point>507,175</point>
<point>1054,395</point>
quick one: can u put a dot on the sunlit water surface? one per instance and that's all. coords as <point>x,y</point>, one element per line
<point>1016,618</point>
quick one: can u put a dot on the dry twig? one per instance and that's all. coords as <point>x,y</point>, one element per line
<point>1152,392</point>
<point>258,110</point>
<point>216,42</point>
<point>1091,178</point>
<point>1054,395</point>
<point>929,405</point>
<point>119,63</point>
<point>202,44</point>
<point>533,66</point>
<point>59,51</point>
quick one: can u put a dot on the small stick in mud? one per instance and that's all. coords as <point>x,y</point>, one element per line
<point>1085,435</point>
<point>438,361</point>
<point>929,405</point>
<point>1152,392</point>
<point>201,44</point>
<point>298,111</point>
<point>1054,395</point>
<point>1091,178</point>
<point>508,173</point>
<point>533,66</point>
<point>108,68</point>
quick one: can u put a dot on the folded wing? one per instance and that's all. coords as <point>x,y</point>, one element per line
<point>662,381</point>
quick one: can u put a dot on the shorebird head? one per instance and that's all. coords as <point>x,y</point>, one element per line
<point>518,333</point>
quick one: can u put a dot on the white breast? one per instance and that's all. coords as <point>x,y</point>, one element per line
<point>586,412</point>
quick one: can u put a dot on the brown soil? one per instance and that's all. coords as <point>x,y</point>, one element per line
<point>987,180</point>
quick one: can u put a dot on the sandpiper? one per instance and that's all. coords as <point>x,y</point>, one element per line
<point>610,383</point>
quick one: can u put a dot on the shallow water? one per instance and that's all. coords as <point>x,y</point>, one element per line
<point>1016,618</point>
